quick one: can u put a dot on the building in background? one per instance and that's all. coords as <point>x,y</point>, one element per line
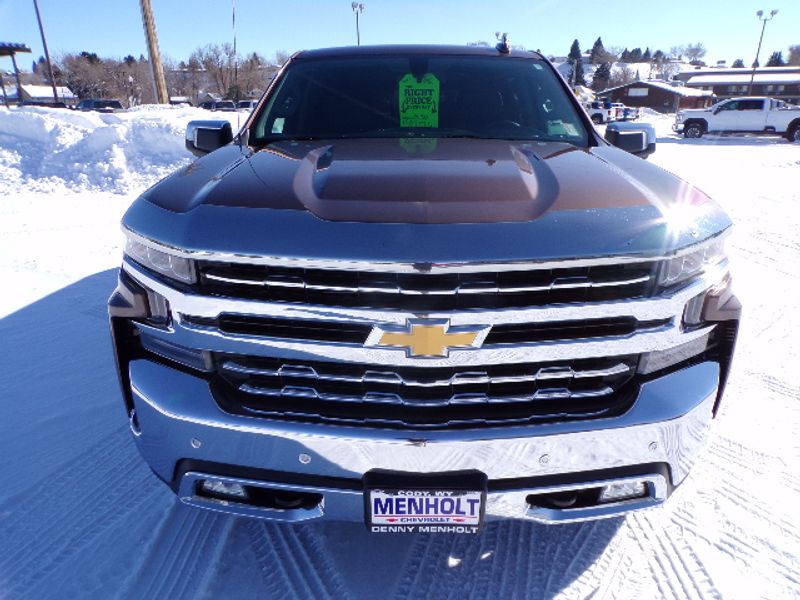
<point>775,82</point>
<point>659,95</point>
<point>43,95</point>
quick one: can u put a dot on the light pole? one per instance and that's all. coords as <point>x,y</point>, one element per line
<point>761,17</point>
<point>358,8</point>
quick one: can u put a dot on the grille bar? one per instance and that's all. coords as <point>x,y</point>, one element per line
<point>299,284</point>
<point>390,398</point>
<point>463,378</point>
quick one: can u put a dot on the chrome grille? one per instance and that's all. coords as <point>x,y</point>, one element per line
<point>422,397</point>
<point>428,291</point>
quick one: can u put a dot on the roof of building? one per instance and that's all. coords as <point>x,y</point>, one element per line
<point>679,90</point>
<point>46,91</point>
<point>744,78</point>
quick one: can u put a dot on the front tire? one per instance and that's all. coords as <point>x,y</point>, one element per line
<point>597,119</point>
<point>793,135</point>
<point>693,130</point>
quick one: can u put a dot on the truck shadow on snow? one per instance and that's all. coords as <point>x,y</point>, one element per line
<point>94,522</point>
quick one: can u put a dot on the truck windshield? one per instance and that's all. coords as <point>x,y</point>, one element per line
<point>419,96</point>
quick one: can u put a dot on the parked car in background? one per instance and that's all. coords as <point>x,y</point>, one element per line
<point>600,112</point>
<point>625,113</point>
<point>223,105</point>
<point>103,105</point>
<point>742,115</point>
<point>247,105</point>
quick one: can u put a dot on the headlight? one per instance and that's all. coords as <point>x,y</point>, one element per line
<point>693,264</point>
<point>679,117</point>
<point>169,265</point>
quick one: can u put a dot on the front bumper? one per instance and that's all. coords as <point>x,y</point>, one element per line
<point>185,437</point>
<point>677,127</point>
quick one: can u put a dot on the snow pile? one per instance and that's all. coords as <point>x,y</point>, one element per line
<point>45,149</point>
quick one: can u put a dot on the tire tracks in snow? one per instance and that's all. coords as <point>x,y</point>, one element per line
<point>68,510</point>
<point>675,568</point>
<point>182,556</point>
<point>293,561</point>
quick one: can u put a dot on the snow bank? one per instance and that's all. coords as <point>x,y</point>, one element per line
<point>45,149</point>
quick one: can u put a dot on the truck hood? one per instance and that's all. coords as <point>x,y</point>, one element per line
<point>547,198</point>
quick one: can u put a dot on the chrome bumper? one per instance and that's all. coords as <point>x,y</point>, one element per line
<point>177,419</point>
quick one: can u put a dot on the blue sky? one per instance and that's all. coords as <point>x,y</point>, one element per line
<point>113,27</point>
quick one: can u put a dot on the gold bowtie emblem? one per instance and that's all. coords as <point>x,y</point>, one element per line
<point>428,338</point>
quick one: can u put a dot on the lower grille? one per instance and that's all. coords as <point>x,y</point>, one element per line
<point>424,397</point>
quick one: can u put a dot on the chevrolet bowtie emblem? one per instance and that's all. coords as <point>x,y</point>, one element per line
<point>427,337</point>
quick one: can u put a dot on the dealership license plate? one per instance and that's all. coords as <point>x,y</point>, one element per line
<point>425,511</point>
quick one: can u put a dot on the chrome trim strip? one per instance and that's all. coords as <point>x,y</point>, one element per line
<point>397,399</point>
<point>464,378</point>
<point>399,267</point>
<point>462,289</point>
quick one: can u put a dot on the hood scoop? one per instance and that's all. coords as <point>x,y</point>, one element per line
<point>424,181</point>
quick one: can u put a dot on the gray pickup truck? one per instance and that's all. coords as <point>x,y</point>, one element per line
<point>418,290</point>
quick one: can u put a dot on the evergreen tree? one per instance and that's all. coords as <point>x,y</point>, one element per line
<point>658,57</point>
<point>776,59</point>
<point>601,77</point>
<point>625,56</point>
<point>636,55</point>
<point>738,64</point>
<point>574,51</point>
<point>598,52</point>
<point>576,60</point>
<point>646,56</point>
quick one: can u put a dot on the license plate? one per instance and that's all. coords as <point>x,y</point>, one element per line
<point>425,511</point>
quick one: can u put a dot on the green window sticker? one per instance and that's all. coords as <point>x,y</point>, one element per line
<point>419,101</point>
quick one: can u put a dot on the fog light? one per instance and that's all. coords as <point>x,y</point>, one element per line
<point>223,490</point>
<point>623,491</point>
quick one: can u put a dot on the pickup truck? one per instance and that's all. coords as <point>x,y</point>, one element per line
<point>759,115</point>
<point>418,290</point>
<point>601,112</point>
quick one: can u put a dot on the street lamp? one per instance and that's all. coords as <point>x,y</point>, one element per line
<point>761,17</point>
<point>358,8</point>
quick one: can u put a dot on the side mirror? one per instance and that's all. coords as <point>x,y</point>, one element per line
<point>203,137</point>
<point>636,138</point>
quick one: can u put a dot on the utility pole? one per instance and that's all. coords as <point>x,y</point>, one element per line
<point>159,83</point>
<point>46,53</point>
<point>761,17</point>
<point>358,8</point>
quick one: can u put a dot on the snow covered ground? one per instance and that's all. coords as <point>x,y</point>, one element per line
<point>82,517</point>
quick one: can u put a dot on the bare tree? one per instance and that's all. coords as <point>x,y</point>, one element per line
<point>794,55</point>
<point>694,52</point>
<point>621,76</point>
<point>219,63</point>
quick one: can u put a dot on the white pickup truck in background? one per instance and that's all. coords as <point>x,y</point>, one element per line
<point>742,115</point>
<point>601,112</point>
